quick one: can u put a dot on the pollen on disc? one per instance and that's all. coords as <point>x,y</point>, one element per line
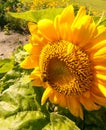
<point>66,67</point>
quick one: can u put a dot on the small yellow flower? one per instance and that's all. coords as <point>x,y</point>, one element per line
<point>18,9</point>
<point>7,8</point>
<point>69,59</point>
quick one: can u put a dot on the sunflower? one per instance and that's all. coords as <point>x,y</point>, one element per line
<point>69,60</point>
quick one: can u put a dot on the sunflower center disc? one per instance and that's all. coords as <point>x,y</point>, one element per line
<point>66,67</point>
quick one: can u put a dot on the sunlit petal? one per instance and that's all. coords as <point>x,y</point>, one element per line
<point>50,32</point>
<point>46,94</point>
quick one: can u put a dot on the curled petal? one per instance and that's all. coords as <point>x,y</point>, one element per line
<point>46,94</point>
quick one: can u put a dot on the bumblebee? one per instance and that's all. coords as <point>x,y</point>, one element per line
<point>44,77</point>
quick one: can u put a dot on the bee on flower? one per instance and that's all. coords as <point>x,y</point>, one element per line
<point>69,60</point>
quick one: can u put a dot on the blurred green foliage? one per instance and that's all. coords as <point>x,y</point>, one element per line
<point>6,5</point>
<point>6,21</point>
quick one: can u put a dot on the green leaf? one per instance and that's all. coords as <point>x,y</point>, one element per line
<point>95,119</point>
<point>6,65</point>
<point>60,122</point>
<point>35,16</point>
<point>19,107</point>
<point>26,120</point>
<point>19,96</point>
<point>19,54</point>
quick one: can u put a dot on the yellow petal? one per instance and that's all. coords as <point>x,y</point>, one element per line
<point>54,97</point>
<point>35,73</point>
<point>32,28</point>
<point>101,35</point>
<point>38,39</point>
<point>36,50</point>
<point>65,31</point>
<point>80,14</point>
<point>30,62</point>
<point>100,61</point>
<point>101,52</point>
<point>62,101</point>
<point>102,88</point>
<point>88,103</point>
<point>56,25</point>
<point>83,31</point>
<point>96,47</point>
<point>103,72</point>
<point>67,15</point>
<point>58,98</point>
<point>102,82</point>
<point>47,29</point>
<point>100,76</point>
<point>46,94</point>
<point>63,23</point>
<point>96,90</point>
<point>28,47</point>
<point>36,35</point>
<point>36,77</point>
<point>99,67</point>
<point>74,106</point>
<point>37,82</point>
<point>99,100</point>
<point>87,94</point>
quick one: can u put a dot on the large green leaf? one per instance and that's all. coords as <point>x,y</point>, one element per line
<point>35,16</point>
<point>19,107</point>
<point>60,122</point>
<point>26,120</point>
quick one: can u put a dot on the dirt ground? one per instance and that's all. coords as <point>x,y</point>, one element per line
<point>8,43</point>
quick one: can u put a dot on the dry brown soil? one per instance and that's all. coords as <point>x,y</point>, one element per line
<point>8,43</point>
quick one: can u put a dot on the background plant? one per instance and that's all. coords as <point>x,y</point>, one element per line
<point>6,21</point>
<point>20,6</point>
